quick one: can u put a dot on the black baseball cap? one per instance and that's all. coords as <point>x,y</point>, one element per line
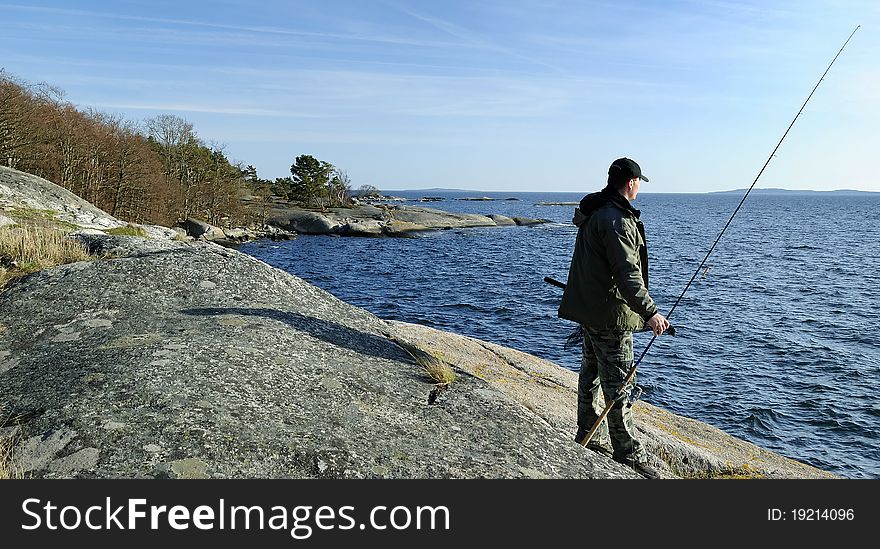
<point>624,169</point>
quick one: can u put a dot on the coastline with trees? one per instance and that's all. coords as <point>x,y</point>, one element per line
<point>160,171</point>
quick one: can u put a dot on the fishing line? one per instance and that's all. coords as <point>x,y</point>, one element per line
<point>622,392</point>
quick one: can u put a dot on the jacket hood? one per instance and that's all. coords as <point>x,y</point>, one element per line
<point>594,201</point>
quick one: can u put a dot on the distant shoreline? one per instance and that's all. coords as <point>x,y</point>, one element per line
<point>800,191</point>
<point>768,191</point>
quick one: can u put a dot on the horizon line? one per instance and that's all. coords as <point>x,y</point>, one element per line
<point>743,190</point>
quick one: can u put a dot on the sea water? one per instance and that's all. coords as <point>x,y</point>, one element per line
<point>777,338</point>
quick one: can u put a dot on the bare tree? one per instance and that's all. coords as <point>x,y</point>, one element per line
<point>159,172</point>
<point>339,189</point>
<point>175,139</point>
<point>23,116</point>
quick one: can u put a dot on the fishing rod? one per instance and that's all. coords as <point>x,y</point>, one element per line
<point>621,393</point>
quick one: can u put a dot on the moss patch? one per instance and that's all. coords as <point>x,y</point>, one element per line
<point>32,213</point>
<point>128,230</point>
<point>33,217</point>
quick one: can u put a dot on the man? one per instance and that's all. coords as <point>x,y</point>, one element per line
<point>607,293</point>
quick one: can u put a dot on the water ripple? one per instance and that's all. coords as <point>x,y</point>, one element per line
<point>775,338</point>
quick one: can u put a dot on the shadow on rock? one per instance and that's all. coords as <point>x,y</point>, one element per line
<point>331,332</point>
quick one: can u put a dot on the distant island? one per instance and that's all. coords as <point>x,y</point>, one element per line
<point>480,195</point>
<point>435,190</point>
<point>846,192</point>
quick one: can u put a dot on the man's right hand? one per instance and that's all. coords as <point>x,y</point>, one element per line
<point>658,324</point>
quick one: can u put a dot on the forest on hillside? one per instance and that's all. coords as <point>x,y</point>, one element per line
<point>153,171</point>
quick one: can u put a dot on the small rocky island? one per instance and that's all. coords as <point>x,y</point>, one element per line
<point>163,357</point>
<point>384,220</point>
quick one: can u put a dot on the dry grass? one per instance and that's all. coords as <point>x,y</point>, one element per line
<point>439,371</point>
<point>8,468</point>
<point>25,250</point>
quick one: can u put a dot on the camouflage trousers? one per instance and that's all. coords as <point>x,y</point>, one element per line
<point>608,356</point>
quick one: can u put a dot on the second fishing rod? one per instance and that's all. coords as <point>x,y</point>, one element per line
<point>622,390</point>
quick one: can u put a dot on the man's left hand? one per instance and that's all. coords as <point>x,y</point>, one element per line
<point>658,324</point>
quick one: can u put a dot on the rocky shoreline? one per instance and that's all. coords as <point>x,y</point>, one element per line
<point>25,195</point>
<point>384,220</point>
<point>384,217</point>
<point>172,358</point>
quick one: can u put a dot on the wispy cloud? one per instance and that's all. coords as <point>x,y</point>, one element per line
<point>212,109</point>
<point>760,8</point>
<point>378,38</point>
<point>472,39</point>
<point>342,137</point>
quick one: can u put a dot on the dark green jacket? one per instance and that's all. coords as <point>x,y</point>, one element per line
<point>608,279</point>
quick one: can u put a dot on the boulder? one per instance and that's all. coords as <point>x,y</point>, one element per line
<point>529,221</point>
<point>197,228</point>
<point>276,234</point>
<point>302,221</point>
<point>6,221</point>
<point>240,234</point>
<point>368,227</point>
<point>180,232</point>
<point>501,220</point>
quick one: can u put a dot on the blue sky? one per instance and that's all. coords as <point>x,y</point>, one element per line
<point>487,95</point>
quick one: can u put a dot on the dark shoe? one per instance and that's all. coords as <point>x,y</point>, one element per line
<point>594,445</point>
<point>645,469</point>
<point>641,467</point>
<point>600,448</point>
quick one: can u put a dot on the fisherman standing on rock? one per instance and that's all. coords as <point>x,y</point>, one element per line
<point>607,294</point>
